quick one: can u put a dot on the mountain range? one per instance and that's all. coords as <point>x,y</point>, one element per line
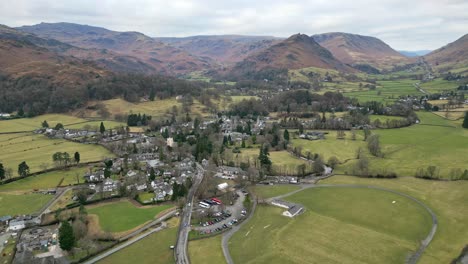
<point>99,50</point>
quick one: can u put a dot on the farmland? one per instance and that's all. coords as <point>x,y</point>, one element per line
<point>37,150</point>
<point>15,204</point>
<point>386,91</point>
<point>340,225</point>
<point>153,249</point>
<point>206,251</point>
<point>449,202</point>
<point>30,124</point>
<point>134,216</point>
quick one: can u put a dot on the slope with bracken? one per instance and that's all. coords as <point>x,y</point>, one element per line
<point>224,49</point>
<point>296,52</point>
<point>360,50</point>
<point>452,56</point>
<point>139,49</point>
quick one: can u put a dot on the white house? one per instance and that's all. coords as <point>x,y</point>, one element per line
<point>15,225</point>
<point>293,211</point>
<point>222,186</point>
<point>170,142</point>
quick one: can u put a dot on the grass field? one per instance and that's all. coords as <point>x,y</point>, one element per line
<point>268,191</point>
<point>94,125</point>
<point>153,249</point>
<point>206,251</point>
<point>30,124</point>
<point>38,149</point>
<point>46,180</point>
<point>439,85</point>
<point>448,200</point>
<point>339,226</point>
<point>132,216</point>
<point>16,204</point>
<point>386,91</point>
<point>435,141</point>
<point>343,149</point>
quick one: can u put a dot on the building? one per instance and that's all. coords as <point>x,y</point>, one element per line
<point>170,142</point>
<point>293,211</point>
<point>222,186</point>
<point>229,173</point>
<point>4,219</point>
<point>16,225</point>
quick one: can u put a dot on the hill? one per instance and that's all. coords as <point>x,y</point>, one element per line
<point>224,49</point>
<point>453,55</point>
<point>135,49</point>
<point>360,50</point>
<point>296,52</point>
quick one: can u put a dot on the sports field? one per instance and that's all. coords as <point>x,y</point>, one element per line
<point>37,150</point>
<point>448,200</point>
<point>342,225</point>
<point>132,216</point>
<point>206,251</point>
<point>16,204</point>
<point>153,249</point>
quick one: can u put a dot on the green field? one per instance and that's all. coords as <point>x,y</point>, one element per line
<point>268,191</point>
<point>340,225</point>
<point>46,180</point>
<point>37,150</point>
<point>30,124</point>
<point>343,149</point>
<point>448,200</point>
<point>152,249</point>
<point>435,141</point>
<point>439,85</point>
<point>132,216</point>
<point>16,204</point>
<point>94,125</point>
<point>206,251</point>
<point>386,91</point>
<point>156,108</point>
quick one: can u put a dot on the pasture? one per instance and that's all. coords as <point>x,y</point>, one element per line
<point>386,91</point>
<point>154,248</point>
<point>30,124</point>
<point>37,151</point>
<point>448,200</point>
<point>439,85</point>
<point>47,180</point>
<point>132,216</point>
<point>342,225</point>
<point>206,251</point>
<point>18,204</point>
<point>269,191</point>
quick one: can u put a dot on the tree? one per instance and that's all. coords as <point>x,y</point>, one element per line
<point>333,161</point>
<point>243,143</point>
<point>286,135</point>
<point>152,94</point>
<point>264,158</point>
<point>77,157</point>
<point>465,121</point>
<point>362,166</point>
<point>2,172</point>
<point>45,124</point>
<point>318,165</point>
<point>66,158</point>
<point>23,169</point>
<point>58,126</point>
<point>373,144</point>
<point>57,157</point>
<point>152,176</point>
<point>66,236</point>
<point>107,172</point>
<point>102,128</point>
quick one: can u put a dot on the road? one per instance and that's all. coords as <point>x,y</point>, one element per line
<point>125,244</point>
<point>413,259</point>
<point>180,251</point>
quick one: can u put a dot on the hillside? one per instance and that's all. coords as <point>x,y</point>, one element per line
<point>134,49</point>
<point>358,50</point>
<point>451,56</point>
<point>297,52</point>
<point>224,49</point>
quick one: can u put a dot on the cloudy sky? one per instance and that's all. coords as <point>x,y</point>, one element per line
<point>404,24</point>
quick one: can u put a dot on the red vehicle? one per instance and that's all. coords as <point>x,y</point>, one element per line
<point>216,200</point>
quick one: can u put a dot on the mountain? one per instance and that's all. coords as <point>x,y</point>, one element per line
<point>133,48</point>
<point>24,54</point>
<point>360,50</point>
<point>453,55</point>
<point>296,52</point>
<point>415,53</point>
<point>224,49</point>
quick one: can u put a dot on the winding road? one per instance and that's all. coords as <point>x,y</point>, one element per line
<point>413,259</point>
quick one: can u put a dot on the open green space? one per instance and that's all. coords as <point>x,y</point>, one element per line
<point>340,225</point>
<point>154,248</point>
<point>206,251</point>
<point>16,204</point>
<point>448,200</point>
<point>122,216</point>
<point>30,124</point>
<point>439,85</point>
<point>46,180</point>
<point>268,191</point>
<point>37,150</point>
<point>387,91</point>
<point>94,125</point>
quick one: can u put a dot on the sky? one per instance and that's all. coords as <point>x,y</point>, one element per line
<point>403,24</point>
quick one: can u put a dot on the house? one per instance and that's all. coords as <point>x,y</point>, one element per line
<point>131,173</point>
<point>16,225</point>
<point>170,142</point>
<point>282,204</point>
<point>222,186</point>
<point>229,173</point>
<point>5,115</point>
<point>4,219</point>
<point>293,211</point>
